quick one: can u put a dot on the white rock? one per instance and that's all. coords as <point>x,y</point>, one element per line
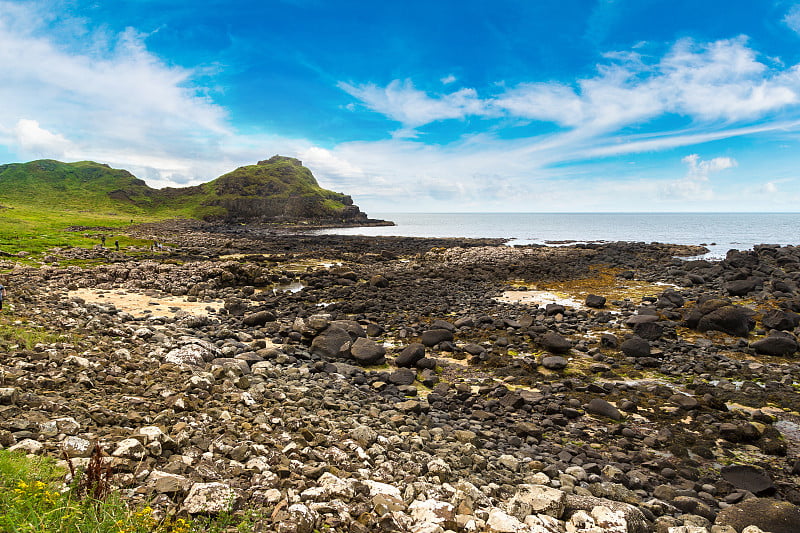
<point>509,461</point>
<point>438,467</point>
<point>29,446</point>
<point>67,425</point>
<point>500,522</point>
<point>611,521</point>
<point>537,499</point>
<point>336,487</point>
<point>76,447</point>
<point>303,518</point>
<point>432,512</point>
<point>130,449</point>
<point>209,498</point>
<point>376,487</point>
<point>698,529</point>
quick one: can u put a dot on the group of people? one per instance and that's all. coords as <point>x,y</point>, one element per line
<point>103,241</point>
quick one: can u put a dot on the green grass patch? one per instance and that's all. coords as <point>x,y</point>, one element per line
<point>35,499</point>
<point>28,336</point>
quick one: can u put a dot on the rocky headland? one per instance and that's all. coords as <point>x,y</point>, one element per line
<point>424,385</point>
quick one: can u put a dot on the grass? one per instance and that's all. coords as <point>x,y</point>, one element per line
<point>28,336</point>
<point>34,498</point>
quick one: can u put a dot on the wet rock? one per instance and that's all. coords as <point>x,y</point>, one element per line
<point>730,319</point>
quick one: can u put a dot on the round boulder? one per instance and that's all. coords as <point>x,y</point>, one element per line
<point>766,514</point>
<point>367,351</point>
<point>635,347</point>
<point>432,337</point>
<point>595,301</point>
<point>410,355</point>
<point>779,344</point>
<point>553,342</point>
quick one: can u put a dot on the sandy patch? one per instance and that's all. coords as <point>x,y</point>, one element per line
<point>540,298</point>
<point>141,305</point>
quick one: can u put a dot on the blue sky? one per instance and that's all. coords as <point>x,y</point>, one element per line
<point>511,105</point>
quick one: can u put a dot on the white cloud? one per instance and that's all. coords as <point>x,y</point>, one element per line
<point>33,139</point>
<point>403,102</point>
<point>448,79</point>
<point>792,18</point>
<point>695,185</point>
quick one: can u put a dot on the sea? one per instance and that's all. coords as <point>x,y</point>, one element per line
<point>719,232</point>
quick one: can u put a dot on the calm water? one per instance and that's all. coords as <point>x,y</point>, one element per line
<point>720,232</point>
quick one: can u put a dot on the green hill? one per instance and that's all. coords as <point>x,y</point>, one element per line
<point>275,190</point>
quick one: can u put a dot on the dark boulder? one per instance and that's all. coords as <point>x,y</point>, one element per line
<point>635,347</point>
<point>730,319</point>
<point>333,342</point>
<point>554,362</point>
<point>259,318</point>
<point>554,309</point>
<point>609,340</point>
<point>595,301</point>
<point>670,298</point>
<point>650,331</point>
<point>766,514</point>
<point>748,477</point>
<point>553,342</point>
<point>367,351</point>
<point>779,344</point>
<point>598,406</point>
<point>741,287</point>
<point>781,320</point>
<point>410,355</point>
<point>403,376</point>
<point>432,337</point>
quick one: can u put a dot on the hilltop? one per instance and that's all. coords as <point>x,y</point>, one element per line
<point>279,189</point>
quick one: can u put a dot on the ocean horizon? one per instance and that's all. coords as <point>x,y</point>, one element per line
<point>719,232</point>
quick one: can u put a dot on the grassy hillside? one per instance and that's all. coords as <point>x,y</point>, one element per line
<point>39,199</point>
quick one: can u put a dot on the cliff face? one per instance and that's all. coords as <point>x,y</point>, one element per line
<point>279,189</point>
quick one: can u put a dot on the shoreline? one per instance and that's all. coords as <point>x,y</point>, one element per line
<point>319,372</point>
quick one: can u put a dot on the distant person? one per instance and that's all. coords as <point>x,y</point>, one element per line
<point>103,240</point>
<point>2,295</point>
<point>116,245</point>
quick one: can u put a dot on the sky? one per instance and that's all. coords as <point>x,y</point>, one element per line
<point>437,106</point>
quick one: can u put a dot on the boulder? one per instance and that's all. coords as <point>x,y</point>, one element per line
<point>410,355</point>
<point>649,331</point>
<point>750,478</point>
<point>780,320</point>
<point>554,309</point>
<point>537,499</point>
<point>554,362</point>
<point>766,514</point>
<point>598,406</point>
<point>779,344</point>
<point>730,319</point>
<point>258,318</point>
<point>432,337</point>
<point>211,498</point>
<point>741,287</point>
<point>554,342</point>
<point>333,342</point>
<point>595,301</point>
<point>635,347</point>
<point>367,351</point>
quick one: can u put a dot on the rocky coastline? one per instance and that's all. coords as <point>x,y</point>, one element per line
<point>357,384</point>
